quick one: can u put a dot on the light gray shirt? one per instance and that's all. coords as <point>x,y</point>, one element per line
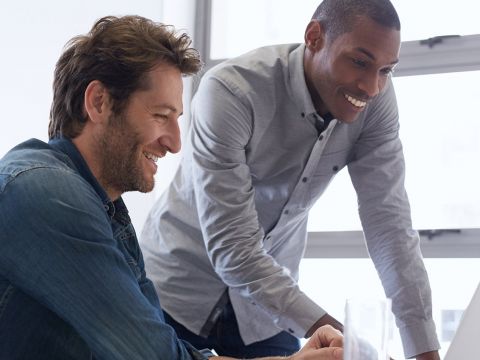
<point>236,213</point>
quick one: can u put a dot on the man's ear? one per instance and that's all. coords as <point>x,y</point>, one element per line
<point>314,36</point>
<point>97,101</point>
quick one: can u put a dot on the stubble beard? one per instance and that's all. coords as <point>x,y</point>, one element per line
<point>121,158</point>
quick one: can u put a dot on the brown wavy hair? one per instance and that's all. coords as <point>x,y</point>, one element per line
<point>119,52</point>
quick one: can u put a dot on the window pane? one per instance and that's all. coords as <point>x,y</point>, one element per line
<point>357,277</point>
<point>440,132</point>
<point>238,26</point>
<point>428,18</point>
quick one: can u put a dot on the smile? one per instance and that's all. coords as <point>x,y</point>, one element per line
<point>355,102</point>
<point>150,156</point>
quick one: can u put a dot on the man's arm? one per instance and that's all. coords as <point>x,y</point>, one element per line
<point>378,173</point>
<point>327,319</point>
<point>66,258</point>
<point>225,198</point>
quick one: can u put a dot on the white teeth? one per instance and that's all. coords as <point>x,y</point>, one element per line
<point>152,157</point>
<point>356,102</point>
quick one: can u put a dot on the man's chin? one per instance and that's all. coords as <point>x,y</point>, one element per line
<point>147,187</point>
<point>143,186</point>
<point>348,119</point>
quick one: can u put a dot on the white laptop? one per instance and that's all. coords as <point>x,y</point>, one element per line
<point>465,344</point>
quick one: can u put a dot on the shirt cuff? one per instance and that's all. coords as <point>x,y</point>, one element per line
<point>300,316</point>
<point>203,354</point>
<point>419,338</point>
<point>208,353</point>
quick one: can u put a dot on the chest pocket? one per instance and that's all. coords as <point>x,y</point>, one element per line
<point>328,166</point>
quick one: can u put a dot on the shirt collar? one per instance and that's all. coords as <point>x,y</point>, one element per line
<point>298,89</point>
<point>297,85</point>
<point>67,147</point>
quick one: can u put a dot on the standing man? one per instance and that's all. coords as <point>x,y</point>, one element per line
<point>72,278</point>
<point>270,130</point>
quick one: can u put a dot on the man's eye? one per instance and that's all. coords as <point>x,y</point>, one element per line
<point>359,63</point>
<point>160,116</point>
<point>387,71</point>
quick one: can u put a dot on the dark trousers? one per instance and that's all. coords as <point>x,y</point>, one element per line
<point>226,341</point>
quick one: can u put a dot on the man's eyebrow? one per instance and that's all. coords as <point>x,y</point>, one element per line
<point>371,56</point>
<point>166,106</point>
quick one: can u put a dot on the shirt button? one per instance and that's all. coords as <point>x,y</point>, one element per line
<point>335,168</point>
<point>303,114</point>
<point>320,137</point>
<point>304,179</point>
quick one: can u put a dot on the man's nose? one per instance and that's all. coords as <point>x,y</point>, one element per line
<point>174,143</point>
<point>371,84</point>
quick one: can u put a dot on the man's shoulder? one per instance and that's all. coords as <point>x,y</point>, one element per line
<point>31,154</point>
<point>37,180</point>
<point>263,61</point>
<point>31,159</point>
<point>262,72</point>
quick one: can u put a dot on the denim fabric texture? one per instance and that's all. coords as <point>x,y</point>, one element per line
<point>72,278</point>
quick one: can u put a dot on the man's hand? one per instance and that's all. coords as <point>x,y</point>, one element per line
<point>431,355</point>
<point>325,344</point>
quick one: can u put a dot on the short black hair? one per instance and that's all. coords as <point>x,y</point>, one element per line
<point>338,16</point>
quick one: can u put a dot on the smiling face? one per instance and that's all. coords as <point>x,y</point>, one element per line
<point>343,75</point>
<point>133,141</point>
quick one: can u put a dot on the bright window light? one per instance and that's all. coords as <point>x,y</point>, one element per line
<point>239,26</point>
<point>441,155</point>
<point>450,296</point>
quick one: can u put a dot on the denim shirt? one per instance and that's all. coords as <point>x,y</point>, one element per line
<point>72,278</point>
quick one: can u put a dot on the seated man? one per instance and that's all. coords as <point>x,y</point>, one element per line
<point>72,278</point>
